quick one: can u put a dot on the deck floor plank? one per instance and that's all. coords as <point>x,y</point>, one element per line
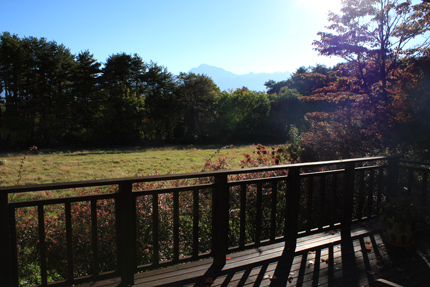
<point>319,260</point>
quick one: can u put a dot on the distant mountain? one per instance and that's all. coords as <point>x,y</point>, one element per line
<point>228,80</point>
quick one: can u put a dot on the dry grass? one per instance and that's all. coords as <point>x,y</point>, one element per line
<point>60,166</point>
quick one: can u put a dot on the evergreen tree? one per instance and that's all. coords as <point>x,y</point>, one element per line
<point>122,101</point>
<point>196,104</point>
<point>85,90</point>
<point>161,104</point>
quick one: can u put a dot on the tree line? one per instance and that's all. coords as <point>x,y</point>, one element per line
<point>53,98</point>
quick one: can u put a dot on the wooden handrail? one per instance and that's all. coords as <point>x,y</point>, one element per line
<point>116,181</point>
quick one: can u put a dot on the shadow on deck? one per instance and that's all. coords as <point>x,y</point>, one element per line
<point>319,260</point>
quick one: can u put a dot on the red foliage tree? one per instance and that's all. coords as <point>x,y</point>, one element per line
<point>374,37</point>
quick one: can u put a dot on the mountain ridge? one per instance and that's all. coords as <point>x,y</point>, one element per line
<point>227,80</point>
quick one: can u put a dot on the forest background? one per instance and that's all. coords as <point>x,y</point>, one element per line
<point>375,102</point>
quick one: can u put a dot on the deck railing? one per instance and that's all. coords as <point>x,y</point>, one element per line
<point>130,225</point>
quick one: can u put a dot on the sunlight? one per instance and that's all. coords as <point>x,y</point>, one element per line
<point>321,6</point>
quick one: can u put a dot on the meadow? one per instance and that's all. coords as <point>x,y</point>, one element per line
<point>47,166</point>
<point>65,220</point>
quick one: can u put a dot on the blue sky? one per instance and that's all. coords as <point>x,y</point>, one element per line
<point>240,36</point>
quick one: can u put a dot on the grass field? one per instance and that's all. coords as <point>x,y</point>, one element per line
<point>60,166</point>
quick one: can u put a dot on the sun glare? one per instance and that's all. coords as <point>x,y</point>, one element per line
<point>322,6</point>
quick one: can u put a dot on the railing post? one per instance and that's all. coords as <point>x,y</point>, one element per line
<point>126,233</point>
<point>393,176</point>
<point>347,245</point>
<point>220,218</point>
<point>424,189</point>
<point>292,212</point>
<point>6,266</point>
<point>348,198</point>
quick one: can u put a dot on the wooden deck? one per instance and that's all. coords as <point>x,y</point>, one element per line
<point>320,260</point>
<point>288,198</point>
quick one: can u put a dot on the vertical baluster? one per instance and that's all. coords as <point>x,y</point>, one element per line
<point>259,214</point>
<point>410,181</point>
<point>424,190</point>
<point>132,216</point>
<point>380,187</point>
<point>175,225</point>
<point>370,194</point>
<point>393,176</point>
<point>69,240</point>
<point>94,238</point>
<point>156,230</point>
<point>274,202</point>
<point>360,196</point>
<point>242,215</point>
<point>118,232</point>
<point>42,244</point>
<point>322,217</point>
<point>309,204</point>
<point>333,196</point>
<point>196,219</point>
